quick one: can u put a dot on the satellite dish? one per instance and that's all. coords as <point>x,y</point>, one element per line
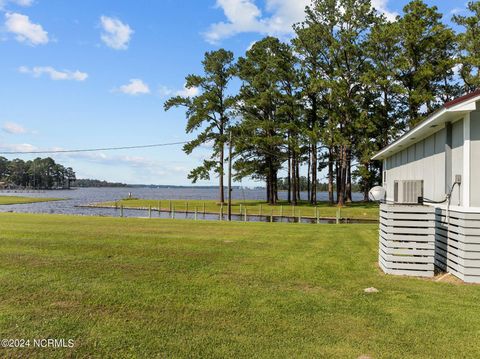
<point>377,194</point>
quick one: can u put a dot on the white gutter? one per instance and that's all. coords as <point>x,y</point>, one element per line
<point>427,127</point>
<point>411,134</point>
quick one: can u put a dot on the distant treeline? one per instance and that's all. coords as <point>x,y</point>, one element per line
<point>41,173</point>
<point>96,183</point>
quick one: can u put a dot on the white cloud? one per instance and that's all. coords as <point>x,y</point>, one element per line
<point>25,30</point>
<point>249,47</point>
<point>165,91</point>
<point>134,87</point>
<point>245,16</point>
<point>13,128</point>
<point>18,147</point>
<point>285,14</point>
<point>23,3</point>
<point>188,92</point>
<point>38,71</point>
<point>116,34</point>
<point>382,7</point>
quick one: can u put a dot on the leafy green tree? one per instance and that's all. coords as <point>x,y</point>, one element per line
<point>40,173</point>
<point>315,69</point>
<point>290,111</point>
<point>70,176</point>
<point>337,31</point>
<point>261,105</point>
<point>425,61</point>
<point>210,112</point>
<point>3,167</point>
<point>58,175</point>
<point>381,78</point>
<point>469,46</point>
<point>381,118</point>
<point>17,172</point>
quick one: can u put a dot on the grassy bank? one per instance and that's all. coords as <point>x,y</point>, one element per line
<point>356,210</point>
<point>6,200</point>
<point>160,288</point>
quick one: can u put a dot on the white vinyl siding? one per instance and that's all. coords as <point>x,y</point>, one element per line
<point>475,158</point>
<point>424,160</point>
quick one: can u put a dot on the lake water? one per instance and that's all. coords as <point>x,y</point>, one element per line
<point>84,196</point>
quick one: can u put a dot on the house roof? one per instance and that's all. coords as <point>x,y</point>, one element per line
<point>450,111</point>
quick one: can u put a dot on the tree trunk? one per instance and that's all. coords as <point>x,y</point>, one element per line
<point>294,179</point>
<point>222,192</point>
<point>275,187</point>
<point>348,195</point>
<point>289,174</point>
<point>313,199</point>
<point>309,198</point>
<point>343,175</point>
<point>268,187</point>
<point>270,182</point>
<point>330,175</point>
<point>337,172</point>
<point>313,149</point>
<point>229,176</point>
<point>366,185</point>
<point>299,197</point>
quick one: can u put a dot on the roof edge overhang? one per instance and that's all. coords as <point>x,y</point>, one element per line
<point>451,111</point>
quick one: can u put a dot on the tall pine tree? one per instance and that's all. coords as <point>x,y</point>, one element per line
<point>469,47</point>
<point>210,112</point>
<point>425,61</point>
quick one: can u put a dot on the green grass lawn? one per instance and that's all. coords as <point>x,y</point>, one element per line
<point>129,288</point>
<point>355,210</point>
<point>5,200</point>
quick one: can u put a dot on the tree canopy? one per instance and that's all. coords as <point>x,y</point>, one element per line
<point>347,84</point>
<point>40,173</point>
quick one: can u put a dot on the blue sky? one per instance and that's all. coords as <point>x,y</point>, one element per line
<point>80,74</point>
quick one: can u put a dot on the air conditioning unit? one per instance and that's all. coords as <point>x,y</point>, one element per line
<point>408,192</point>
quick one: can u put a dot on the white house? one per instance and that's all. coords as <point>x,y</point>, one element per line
<point>437,163</point>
